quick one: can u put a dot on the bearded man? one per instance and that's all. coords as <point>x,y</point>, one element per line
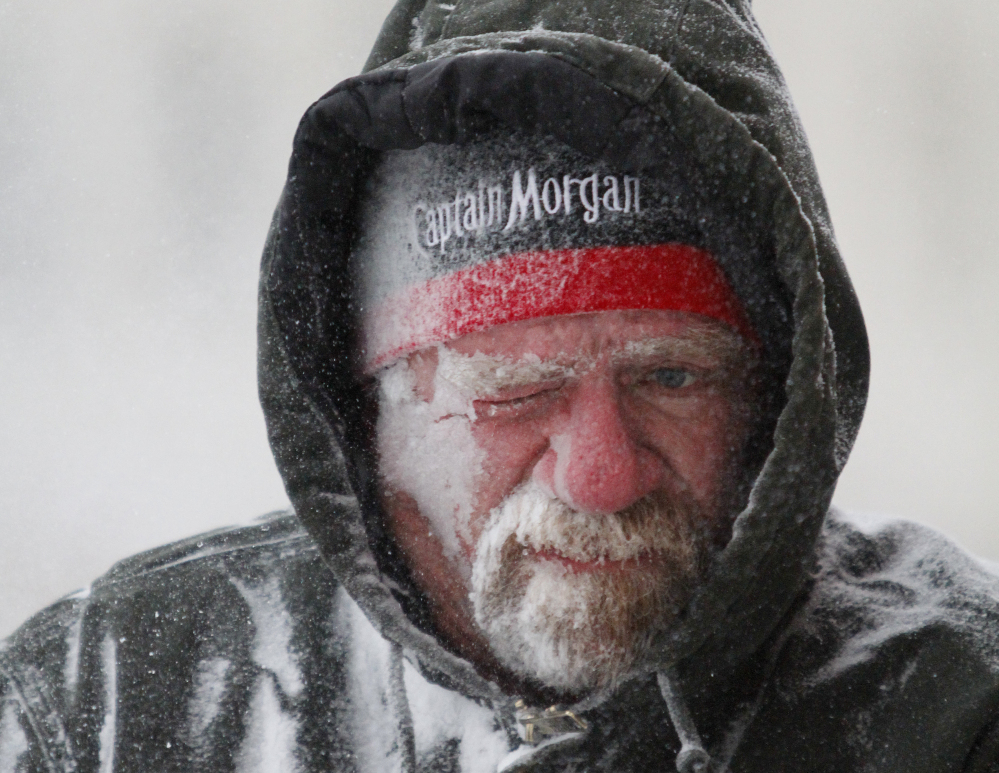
<point>556,467</point>
<point>600,447</point>
<point>560,364</point>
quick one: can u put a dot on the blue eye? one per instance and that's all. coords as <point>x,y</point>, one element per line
<point>673,378</point>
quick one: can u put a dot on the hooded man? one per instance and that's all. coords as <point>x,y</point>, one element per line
<point>560,364</point>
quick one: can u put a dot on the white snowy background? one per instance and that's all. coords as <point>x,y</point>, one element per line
<point>143,146</point>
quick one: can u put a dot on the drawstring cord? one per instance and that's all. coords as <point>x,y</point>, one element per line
<point>693,758</point>
<point>400,707</point>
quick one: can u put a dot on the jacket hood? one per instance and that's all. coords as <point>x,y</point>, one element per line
<point>618,80</point>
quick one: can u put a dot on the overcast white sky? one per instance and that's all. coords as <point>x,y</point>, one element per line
<point>143,146</point>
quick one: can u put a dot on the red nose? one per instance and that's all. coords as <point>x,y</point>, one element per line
<point>594,463</point>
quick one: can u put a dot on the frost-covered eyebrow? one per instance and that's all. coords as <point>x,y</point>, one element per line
<point>480,374</point>
<point>722,347</point>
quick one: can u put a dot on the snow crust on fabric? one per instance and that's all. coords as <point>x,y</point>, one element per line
<point>13,741</point>
<point>910,554</point>
<point>439,716</point>
<point>271,735</point>
<point>72,667</point>
<point>272,635</point>
<point>206,697</point>
<point>107,737</point>
<point>375,728</point>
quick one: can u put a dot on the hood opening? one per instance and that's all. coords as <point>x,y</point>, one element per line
<point>320,413</point>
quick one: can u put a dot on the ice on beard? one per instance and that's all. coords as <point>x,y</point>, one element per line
<point>580,630</point>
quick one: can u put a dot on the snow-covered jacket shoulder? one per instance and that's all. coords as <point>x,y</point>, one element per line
<point>171,656</point>
<point>238,651</point>
<point>892,662</point>
<point>235,650</point>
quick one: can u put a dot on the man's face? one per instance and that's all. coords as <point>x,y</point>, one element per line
<point>560,482</point>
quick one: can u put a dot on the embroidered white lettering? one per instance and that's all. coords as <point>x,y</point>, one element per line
<point>628,200</point>
<point>430,236</point>
<point>611,199</point>
<point>474,212</point>
<point>520,198</point>
<point>458,231</point>
<point>495,195</point>
<point>444,223</point>
<point>470,221</point>
<point>554,205</point>
<point>591,203</point>
<point>567,182</point>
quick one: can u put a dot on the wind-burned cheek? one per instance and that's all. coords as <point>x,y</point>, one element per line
<point>509,450</point>
<point>703,405</point>
<point>737,411</point>
<point>725,419</point>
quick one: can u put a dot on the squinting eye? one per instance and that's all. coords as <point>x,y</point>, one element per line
<point>517,404</point>
<point>500,407</point>
<point>673,378</point>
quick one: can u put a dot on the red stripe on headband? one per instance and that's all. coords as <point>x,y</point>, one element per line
<point>668,277</point>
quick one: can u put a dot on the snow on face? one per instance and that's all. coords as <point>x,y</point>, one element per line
<point>574,599</point>
<point>565,586</point>
<point>427,450</point>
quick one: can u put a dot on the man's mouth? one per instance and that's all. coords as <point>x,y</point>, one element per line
<point>600,564</point>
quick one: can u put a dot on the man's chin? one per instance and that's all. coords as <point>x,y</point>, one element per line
<point>575,601</point>
<point>577,628</point>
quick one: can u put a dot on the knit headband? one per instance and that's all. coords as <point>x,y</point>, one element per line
<point>457,239</point>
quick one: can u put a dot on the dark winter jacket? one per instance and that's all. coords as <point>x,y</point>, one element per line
<point>300,643</point>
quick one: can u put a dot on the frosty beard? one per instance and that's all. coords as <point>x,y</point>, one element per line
<point>577,631</point>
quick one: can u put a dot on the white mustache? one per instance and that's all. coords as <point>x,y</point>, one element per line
<point>544,523</point>
<point>535,520</point>
<point>578,630</point>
